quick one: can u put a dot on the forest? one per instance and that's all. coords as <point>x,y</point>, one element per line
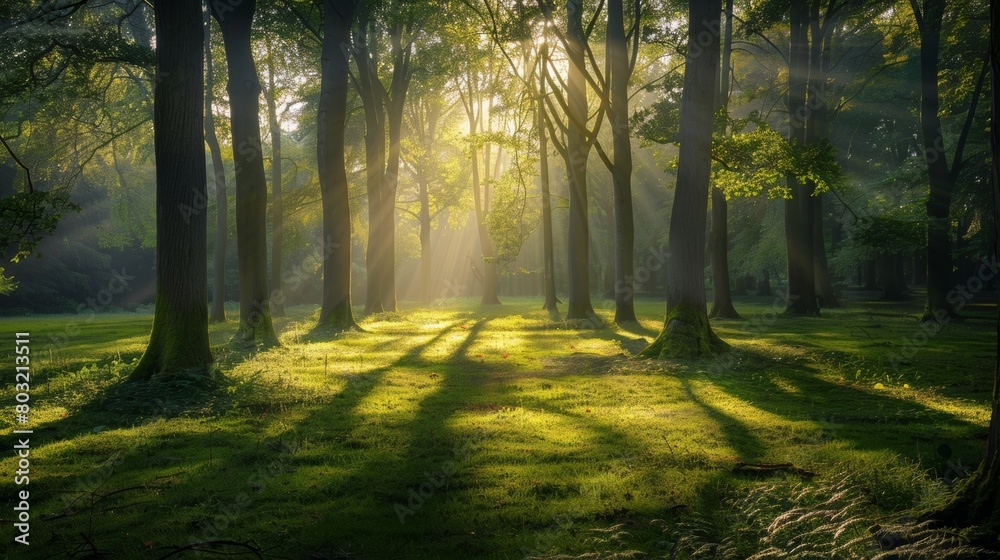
<point>587,279</point>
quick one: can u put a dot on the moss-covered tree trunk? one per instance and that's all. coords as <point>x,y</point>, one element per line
<point>255,330</point>
<point>179,339</point>
<point>336,313</point>
<point>218,313</point>
<point>686,329</point>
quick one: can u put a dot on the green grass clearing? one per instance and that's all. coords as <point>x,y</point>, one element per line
<point>468,432</point>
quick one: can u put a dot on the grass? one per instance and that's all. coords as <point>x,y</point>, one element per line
<point>468,432</point>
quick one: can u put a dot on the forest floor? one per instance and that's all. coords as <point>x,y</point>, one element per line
<point>467,432</point>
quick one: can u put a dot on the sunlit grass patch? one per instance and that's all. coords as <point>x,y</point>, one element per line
<point>518,433</point>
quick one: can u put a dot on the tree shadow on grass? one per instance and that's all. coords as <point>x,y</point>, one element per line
<point>268,458</point>
<point>799,392</point>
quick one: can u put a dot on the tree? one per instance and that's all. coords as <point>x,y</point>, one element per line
<point>577,150</point>
<point>373,101</point>
<point>218,312</point>
<point>477,102</point>
<point>551,302</point>
<point>978,501</point>
<point>941,177</point>
<point>277,212</point>
<point>179,339</point>
<point>336,313</point>
<point>434,164</point>
<point>244,89</point>
<point>620,70</point>
<point>686,329</point>
<point>722,298</point>
<point>799,213</point>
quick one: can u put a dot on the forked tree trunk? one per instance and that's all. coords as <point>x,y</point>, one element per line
<point>218,313</point>
<point>255,328</point>
<point>686,329</point>
<point>336,313</point>
<point>179,339</point>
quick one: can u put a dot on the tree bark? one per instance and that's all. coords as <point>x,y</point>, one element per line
<point>618,115</point>
<point>548,274</point>
<point>686,330</point>
<point>978,501</point>
<point>255,328</point>
<point>798,208</point>
<point>218,313</point>
<point>579,306</point>
<point>395,104</point>
<point>336,313</point>
<point>374,108</point>
<point>825,292</point>
<point>277,212</point>
<point>179,339</point>
<point>939,258</point>
<point>818,130</point>
<point>481,201</point>
<point>722,297</point>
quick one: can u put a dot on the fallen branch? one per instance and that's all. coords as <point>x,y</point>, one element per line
<point>771,468</point>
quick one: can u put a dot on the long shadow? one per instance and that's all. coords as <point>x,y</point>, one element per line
<point>849,412</point>
<point>744,442</point>
<point>418,508</point>
<point>243,449</point>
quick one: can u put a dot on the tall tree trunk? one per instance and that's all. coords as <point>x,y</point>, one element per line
<point>179,339</point>
<point>978,501</point>
<point>336,313</point>
<point>798,209</point>
<point>722,297</point>
<point>396,103</point>
<point>218,313</point>
<point>939,258</point>
<point>578,149</point>
<point>255,328</point>
<point>425,239</point>
<point>624,223</point>
<point>277,212</point>
<point>548,274</point>
<point>481,201</point>
<point>824,281</point>
<point>818,130</point>
<point>374,108</point>
<point>686,330</point>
